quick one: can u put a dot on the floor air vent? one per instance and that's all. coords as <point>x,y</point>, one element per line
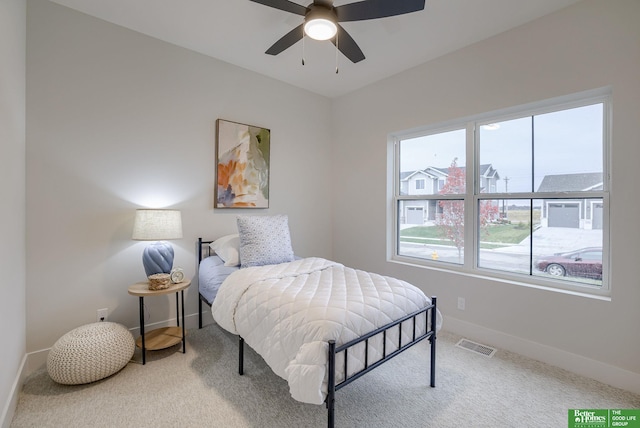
<point>485,350</point>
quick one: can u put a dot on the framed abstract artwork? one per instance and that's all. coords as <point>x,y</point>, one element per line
<point>242,165</point>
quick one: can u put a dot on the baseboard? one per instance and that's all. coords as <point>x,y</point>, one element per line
<point>602,372</point>
<point>12,401</point>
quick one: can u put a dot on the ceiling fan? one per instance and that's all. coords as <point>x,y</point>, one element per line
<point>321,21</point>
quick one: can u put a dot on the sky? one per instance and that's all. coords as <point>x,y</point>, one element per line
<point>563,142</point>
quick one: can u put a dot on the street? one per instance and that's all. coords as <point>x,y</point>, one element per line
<point>512,258</point>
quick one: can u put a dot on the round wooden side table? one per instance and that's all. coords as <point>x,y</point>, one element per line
<point>164,337</point>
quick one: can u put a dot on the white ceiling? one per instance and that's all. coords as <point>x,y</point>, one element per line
<point>239,31</point>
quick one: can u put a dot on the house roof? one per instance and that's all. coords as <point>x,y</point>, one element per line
<point>486,170</point>
<point>571,182</point>
<point>408,174</point>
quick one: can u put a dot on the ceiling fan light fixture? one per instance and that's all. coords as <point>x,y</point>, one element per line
<point>320,29</point>
<point>320,24</point>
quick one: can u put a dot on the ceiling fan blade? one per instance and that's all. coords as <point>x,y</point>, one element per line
<point>286,41</point>
<point>285,5</point>
<point>347,45</point>
<point>372,9</point>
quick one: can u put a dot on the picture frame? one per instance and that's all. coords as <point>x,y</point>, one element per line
<point>242,165</point>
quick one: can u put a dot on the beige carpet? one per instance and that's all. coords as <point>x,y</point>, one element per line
<point>202,389</point>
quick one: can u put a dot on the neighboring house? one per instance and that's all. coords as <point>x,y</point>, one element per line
<point>430,181</point>
<point>488,179</point>
<point>426,181</point>
<point>572,213</point>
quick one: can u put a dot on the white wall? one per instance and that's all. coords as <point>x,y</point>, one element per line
<point>12,189</point>
<point>588,45</point>
<point>116,121</point>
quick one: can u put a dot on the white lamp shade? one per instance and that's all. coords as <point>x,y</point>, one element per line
<point>157,225</point>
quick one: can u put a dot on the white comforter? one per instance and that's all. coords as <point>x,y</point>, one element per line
<point>288,312</point>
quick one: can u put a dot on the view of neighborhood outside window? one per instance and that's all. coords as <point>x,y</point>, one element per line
<point>430,226</point>
<point>538,197</point>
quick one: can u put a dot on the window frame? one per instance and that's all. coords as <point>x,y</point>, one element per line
<point>472,196</point>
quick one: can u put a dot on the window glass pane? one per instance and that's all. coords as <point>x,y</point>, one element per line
<point>431,229</point>
<point>522,241</point>
<point>568,244</point>
<point>504,243</point>
<point>505,157</point>
<point>428,163</point>
<point>568,150</point>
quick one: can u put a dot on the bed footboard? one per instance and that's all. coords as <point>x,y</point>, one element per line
<point>430,333</point>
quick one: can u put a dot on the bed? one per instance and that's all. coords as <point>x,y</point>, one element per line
<point>316,323</point>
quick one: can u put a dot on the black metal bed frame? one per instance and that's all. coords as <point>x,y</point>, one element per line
<point>430,317</point>
<point>429,334</point>
<point>200,296</point>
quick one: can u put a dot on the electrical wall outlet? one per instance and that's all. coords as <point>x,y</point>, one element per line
<point>461,303</point>
<point>102,314</point>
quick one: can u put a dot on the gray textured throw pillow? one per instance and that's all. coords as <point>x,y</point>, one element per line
<point>264,240</point>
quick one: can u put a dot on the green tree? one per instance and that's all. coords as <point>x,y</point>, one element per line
<point>451,218</point>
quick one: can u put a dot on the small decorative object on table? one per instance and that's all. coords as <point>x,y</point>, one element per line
<point>159,281</point>
<point>177,275</point>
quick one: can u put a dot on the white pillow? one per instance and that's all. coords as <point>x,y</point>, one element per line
<point>264,240</point>
<point>228,249</point>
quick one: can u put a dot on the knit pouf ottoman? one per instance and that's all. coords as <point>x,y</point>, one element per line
<point>90,353</point>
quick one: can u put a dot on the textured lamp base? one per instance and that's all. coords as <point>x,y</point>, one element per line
<point>158,258</point>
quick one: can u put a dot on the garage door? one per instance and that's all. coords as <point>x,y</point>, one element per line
<point>415,215</point>
<point>564,215</point>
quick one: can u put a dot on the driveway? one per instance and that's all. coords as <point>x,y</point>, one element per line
<point>549,240</point>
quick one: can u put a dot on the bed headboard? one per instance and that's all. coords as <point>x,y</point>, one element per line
<point>204,250</point>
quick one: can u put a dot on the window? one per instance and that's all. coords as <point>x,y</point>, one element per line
<point>520,194</point>
<point>420,184</point>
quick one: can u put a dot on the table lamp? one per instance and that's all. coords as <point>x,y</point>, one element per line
<point>157,225</point>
